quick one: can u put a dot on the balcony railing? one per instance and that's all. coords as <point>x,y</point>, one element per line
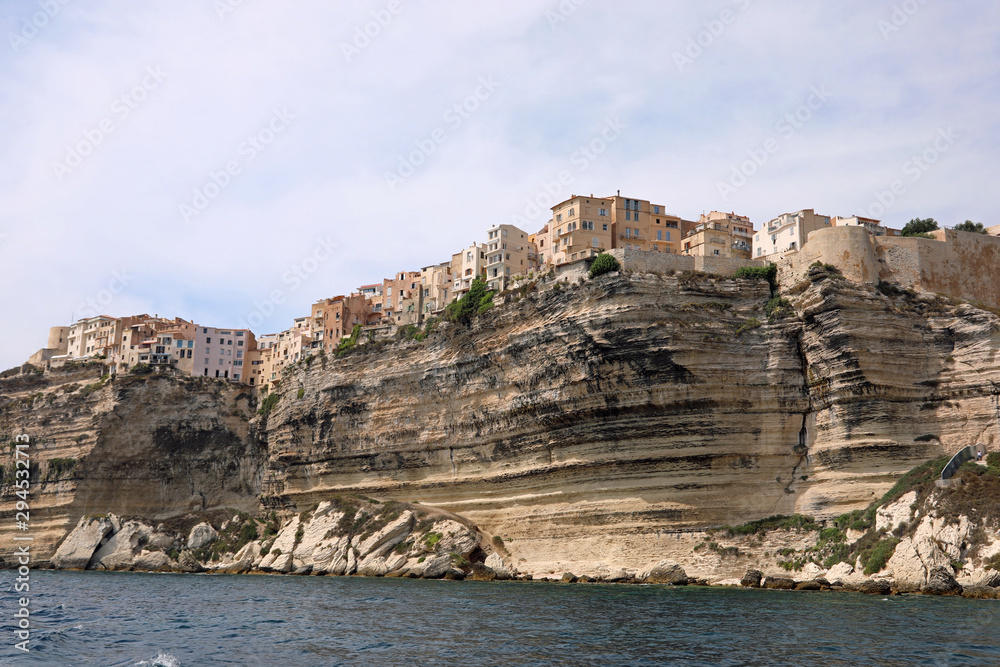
<point>634,237</point>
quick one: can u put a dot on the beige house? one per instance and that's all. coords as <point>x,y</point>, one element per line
<point>93,336</point>
<point>787,233</point>
<point>581,227</point>
<point>332,319</point>
<point>468,265</point>
<point>401,300</point>
<point>507,255</point>
<point>437,288</point>
<point>638,224</point>
<point>720,235</point>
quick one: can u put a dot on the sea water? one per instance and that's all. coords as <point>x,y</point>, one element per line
<point>104,618</point>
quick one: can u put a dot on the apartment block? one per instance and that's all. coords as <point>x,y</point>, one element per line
<point>720,235</point>
<point>222,353</point>
<point>93,336</point>
<point>332,319</point>
<point>581,227</point>
<point>468,265</point>
<point>507,255</point>
<point>638,224</point>
<point>787,233</point>
<point>401,300</point>
<point>437,288</point>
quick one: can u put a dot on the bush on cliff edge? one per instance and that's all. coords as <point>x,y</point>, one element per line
<point>476,301</point>
<point>603,263</point>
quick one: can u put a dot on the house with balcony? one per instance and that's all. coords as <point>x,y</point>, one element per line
<point>507,251</point>
<point>719,234</point>
<point>787,233</point>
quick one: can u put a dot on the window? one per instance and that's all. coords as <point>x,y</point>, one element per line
<point>655,248</point>
<point>628,214</point>
<point>229,342</point>
<point>206,363</point>
<point>239,354</point>
<point>602,212</point>
<point>559,217</point>
<point>659,234</point>
<point>208,340</point>
<point>239,343</point>
<point>656,210</point>
<point>605,227</point>
<point>595,242</point>
<point>716,251</point>
<point>668,234</point>
<point>589,226</point>
<point>571,212</point>
<point>628,232</point>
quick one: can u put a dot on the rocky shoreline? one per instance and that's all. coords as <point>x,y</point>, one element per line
<point>358,536</point>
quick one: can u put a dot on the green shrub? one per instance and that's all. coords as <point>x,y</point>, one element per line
<point>778,309</point>
<point>431,539</point>
<point>58,468</point>
<point>476,301</point>
<point>268,404</point>
<point>349,343</point>
<point>776,522</point>
<point>874,558</point>
<point>993,460</point>
<point>768,273</point>
<point>141,369</point>
<point>748,325</point>
<point>301,393</point>
<point>603,263</point>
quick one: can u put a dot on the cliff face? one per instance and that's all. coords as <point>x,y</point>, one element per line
<point>146,446</point>
<point>582,424</point>
<point>579,423</point>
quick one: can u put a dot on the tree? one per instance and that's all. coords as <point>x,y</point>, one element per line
<point>970,226</point>
<point>917,226</point>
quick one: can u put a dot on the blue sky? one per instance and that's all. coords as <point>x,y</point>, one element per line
<point>738,105</point>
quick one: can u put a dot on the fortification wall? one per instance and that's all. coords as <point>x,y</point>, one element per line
<point>658,262</point>
<point>960,264</point>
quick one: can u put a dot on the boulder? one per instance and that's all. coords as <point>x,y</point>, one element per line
<point>79,546</point>
<point>664,572</point>
<point>940,581</point>
<point>482,573</point>
<point>201,535</point>
<point>374,567</point>
<point>896,513</point>
<point>874,587</point>
<point>239,567</point>
<point>811,571</point>
<point>751,579</point>
<point>620,575</point>
<point>160,542</point>
<point>569,578</point>
<point>152,561</point>
<point>456,538</point>
<point>812,585</point>
<point>495,563</point>
<point>302,570</point>
<point>780,583</point>
<point>435,568</point>
<point>979,593</point>
<point>979,577</point>
<point>186,562</point>
<point>454,574</point>
<point>836,574</point>
<point>119,552</point>
<point>382,541</point>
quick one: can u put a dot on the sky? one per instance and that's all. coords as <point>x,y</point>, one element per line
<point>233,161</point>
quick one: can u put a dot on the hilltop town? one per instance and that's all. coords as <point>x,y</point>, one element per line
<point>643,235</point>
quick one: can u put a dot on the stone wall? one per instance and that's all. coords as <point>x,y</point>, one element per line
<point>959,264</point>
<point>658,262</point>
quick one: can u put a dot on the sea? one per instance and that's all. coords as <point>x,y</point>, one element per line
<point>171,620</point>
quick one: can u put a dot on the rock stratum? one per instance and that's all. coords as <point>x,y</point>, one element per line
<point>575,427</point>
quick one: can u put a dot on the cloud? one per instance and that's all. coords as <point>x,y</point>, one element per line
<point>564,69</point>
